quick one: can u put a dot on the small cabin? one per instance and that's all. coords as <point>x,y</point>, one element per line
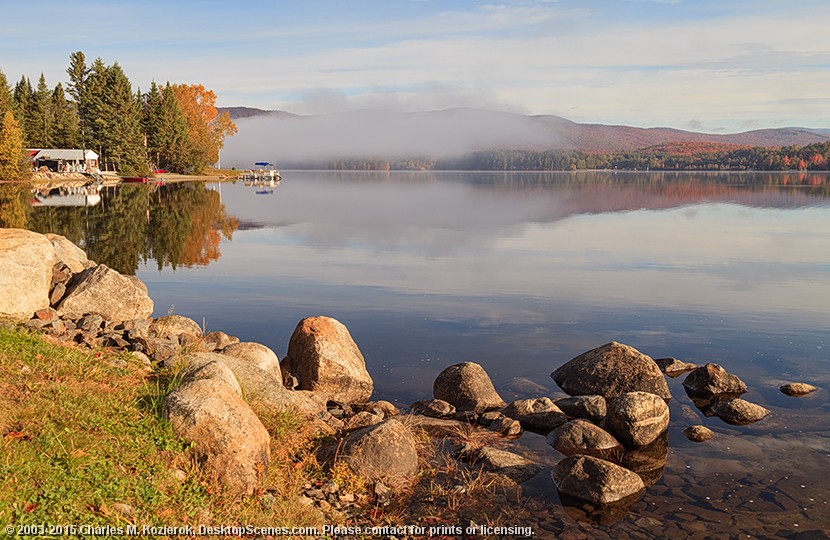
<point>65,160</point>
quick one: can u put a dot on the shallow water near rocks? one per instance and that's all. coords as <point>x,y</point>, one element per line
<point>521,272</point>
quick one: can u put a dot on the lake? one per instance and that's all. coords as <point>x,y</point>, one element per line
<point>521,272</point>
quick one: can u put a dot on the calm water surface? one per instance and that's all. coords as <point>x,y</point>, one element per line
<point>520,273</point>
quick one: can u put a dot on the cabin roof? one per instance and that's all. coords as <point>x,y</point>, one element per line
<point>65,153</point>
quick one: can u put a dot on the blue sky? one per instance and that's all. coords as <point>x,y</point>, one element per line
<point>719,66</point>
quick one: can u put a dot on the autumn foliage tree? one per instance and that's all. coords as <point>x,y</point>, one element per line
<point>206,128</point>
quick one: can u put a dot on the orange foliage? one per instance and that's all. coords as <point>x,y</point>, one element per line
<point>207,128</point>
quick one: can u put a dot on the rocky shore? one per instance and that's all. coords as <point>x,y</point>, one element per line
<point>612,431</point>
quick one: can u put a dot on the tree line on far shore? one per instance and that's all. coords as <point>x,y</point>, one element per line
<point>175,126</point>
<point>667,157</point>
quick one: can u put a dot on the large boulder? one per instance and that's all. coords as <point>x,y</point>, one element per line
<point>468,387</point>
<point>595,480</point>
<point>324,358</point>
<point>69,254</point>
<point>26,261</point>
<point>256,354</point>
<point>227,435</point>
<point>637,418</point>
<point>172,326</point>
<point>539,414</point>
<point>582,437</point>
<point>102,290</point>
<point>712,379</point>
<point>211,369</point>
<point>262,386</point>
<point>385,451</point>
<point>610,371</point>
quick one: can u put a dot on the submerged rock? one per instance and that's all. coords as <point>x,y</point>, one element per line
<point>595,480</point>
<point>712,379</point>
<point>797,389</point>
<point>539,414</point>
<point>698,433</point>
<point>739,412</point>
<point>513,466</point>
<point>637,418</point>
<point>468,387</point>
<point>674,367</point>
<point>324,358</point>
<point>610,371</point>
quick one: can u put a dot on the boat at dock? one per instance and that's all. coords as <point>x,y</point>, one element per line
<point>264,173</point>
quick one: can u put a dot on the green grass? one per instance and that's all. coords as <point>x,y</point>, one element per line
<point>78,435</point>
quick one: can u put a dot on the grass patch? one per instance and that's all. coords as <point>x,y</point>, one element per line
<point>81,435</point>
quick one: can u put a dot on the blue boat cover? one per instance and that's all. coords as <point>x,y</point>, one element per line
<point>262,163</point>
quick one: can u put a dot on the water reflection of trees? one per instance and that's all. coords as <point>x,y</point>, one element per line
<point>14,205</point>
<point>177,225</point>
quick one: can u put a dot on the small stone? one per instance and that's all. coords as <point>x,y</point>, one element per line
<point>582,437</point>
<point>485,419</point>
<point>316,493</point>
<point>674,367</point>
<point>179,475</point>
<point>91,322</point>
<point>470,417</point>
<point>347,498</point>
<point>506,463</point>
<point>57,294</point>
<point>268,500</point>
<point>383,493</point>
<point>538,413</point>
<point>698,433</point>
<point>47,315</point>
<point>125,510</point>
<point>591,408</point>
<point>436,408</point>
<point>797,389</point>
<point>507,427</point>
<point>739,412</point>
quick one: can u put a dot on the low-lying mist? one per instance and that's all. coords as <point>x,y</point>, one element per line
<point>285,138</point>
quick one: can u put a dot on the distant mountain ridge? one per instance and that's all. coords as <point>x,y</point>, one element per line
<point>458,131</point>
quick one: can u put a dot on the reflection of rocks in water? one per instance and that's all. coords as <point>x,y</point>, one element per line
<point>648,461</point>
<point>705,404</point>
<point>606,514</point>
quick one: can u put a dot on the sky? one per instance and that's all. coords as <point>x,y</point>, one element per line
<point>717,66</point>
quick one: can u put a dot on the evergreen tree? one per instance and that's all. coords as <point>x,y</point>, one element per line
<point>11,148</point>
<point>6,100</point>
<point>78,73</point>
<point>171,138</point>
<point>22,103</point>
<point>94,108</point>
<point>67,130</point>
<point>39,117</point>
<point>121,122</point>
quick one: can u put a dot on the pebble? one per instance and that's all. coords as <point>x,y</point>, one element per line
<point>698,433</point>
<point>797,389</point>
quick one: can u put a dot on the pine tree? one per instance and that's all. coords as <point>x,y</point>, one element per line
<point>39,117</point>
<point>6,99</point>
<point>121,121</point>
<point>22,98</point>
<point>67,130</point>
<point>172,137</point>
<point>11,148</point>
<point>94,108</point>
<point>78,73</point>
